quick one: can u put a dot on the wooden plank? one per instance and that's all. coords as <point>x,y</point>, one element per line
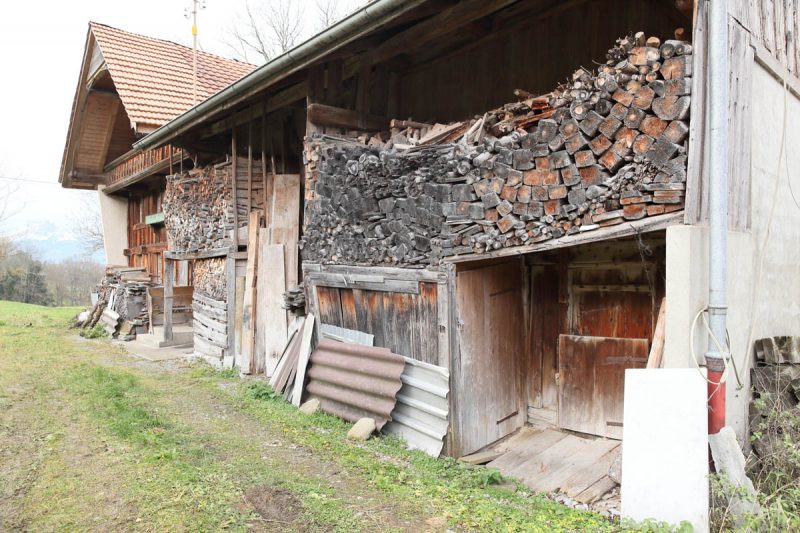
<point>249,306</point>
<point>480,458</point>
<point>272,316</point>
<point>591,381</point>
<point>630,228</point>
<point>284,359</point>
<point>326,115</point>
<point>490,318</point>
<point>697,164</point>
<point>286,222</point>
<point>342,282</point>
<point>657,346</point>
<point>351,272</point>
<point>234,158</point>
<point>302,361</point>
<point>169,282</point>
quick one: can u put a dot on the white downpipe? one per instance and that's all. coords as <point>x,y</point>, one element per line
<point>718,98</point>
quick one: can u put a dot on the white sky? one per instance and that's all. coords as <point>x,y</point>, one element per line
<point>41,48</point>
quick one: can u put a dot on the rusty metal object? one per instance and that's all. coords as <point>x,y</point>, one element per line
<point>353,381</point>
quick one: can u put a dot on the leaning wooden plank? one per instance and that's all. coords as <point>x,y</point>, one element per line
<point>286,222</point>
<point>480,458</point>
<point>302,361</point>
<point>248,309</point>
<point>282,361</point>
<point>271,315</point>
<point>283,379</point>
<point>657,346</point>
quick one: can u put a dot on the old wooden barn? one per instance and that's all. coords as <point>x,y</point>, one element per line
<point>513,191</point>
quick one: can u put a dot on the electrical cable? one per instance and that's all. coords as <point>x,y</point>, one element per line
<point>28,180</point>
<point>725,372</point>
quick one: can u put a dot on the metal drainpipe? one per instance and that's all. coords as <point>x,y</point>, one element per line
<point>718,98</point>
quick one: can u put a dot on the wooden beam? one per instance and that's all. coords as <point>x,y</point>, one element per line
<point>169,282</point>
<point>280,100</point>
<point>325,115</point>
<point>435,27</point>
<point>657,346</point>
<point>233,185</point>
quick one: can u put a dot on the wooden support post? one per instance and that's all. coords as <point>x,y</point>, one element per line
<point>169,282</point>
<point>249,167</point>
<point>233,184</point>
<point>264,178</point>
<point>170,159</point>
<point>230,281</point>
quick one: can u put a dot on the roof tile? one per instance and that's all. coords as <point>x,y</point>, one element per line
<point>153,77</point>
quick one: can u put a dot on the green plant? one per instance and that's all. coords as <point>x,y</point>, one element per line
<point>259,390</point>
<point>95,332</point>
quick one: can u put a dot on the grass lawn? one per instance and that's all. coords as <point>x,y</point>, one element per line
<point>94,439</point>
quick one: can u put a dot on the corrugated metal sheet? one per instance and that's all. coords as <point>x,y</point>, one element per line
<point>346,335</point>
<point>353,381</point>
<point>420,416</point>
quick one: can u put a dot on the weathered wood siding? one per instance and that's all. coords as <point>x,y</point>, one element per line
<point>403,322</point>
<point>539,44</point>
<point>489,369</point>
<point>771,25</point>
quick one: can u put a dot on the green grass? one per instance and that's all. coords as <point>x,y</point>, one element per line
<point>178,450</point>
<point>464,496</point>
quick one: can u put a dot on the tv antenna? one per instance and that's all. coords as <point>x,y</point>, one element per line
<point>191,12</point>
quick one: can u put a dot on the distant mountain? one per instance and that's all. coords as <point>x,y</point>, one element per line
<point>47,243</point>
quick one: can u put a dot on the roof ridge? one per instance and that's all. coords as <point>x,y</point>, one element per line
<point>93,24</point>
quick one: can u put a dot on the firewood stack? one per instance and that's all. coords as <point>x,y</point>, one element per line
<point>606,147</point>
<point>294,300</point>
<point>209,278</point>
<point>198,204</point>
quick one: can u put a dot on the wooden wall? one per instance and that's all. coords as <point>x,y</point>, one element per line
<point>530,52</point>
<point>403,322</point>
<point>146,242</point>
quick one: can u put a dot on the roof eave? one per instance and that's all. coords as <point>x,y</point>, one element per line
<point>355,25</point>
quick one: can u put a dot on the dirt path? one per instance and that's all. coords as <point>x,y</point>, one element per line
<point>94,439</point>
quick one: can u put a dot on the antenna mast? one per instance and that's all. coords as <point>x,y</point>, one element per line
<point>192,12</point>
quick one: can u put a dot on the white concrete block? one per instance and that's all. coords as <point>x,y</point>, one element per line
<point>665,447</point>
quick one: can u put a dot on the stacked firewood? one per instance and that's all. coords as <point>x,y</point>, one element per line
<point>606,147</point>
<point>294,300</point>
<point>121,301</point>
<point>209,278</point>
<point>197,209</point>
<point>198,204</point>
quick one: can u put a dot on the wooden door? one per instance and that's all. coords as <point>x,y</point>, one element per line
<point>491,336</point>
<point>591,381</point>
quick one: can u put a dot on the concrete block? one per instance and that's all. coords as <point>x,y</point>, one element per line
<point>665,452</point>
<point>729,461</point>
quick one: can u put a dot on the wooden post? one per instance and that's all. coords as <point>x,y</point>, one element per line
<point>264,178</point>
<point>249,167</point>
<point>170,159</point>
<point>169,282</point>
<point>233,184</point>
<point>230,310</point>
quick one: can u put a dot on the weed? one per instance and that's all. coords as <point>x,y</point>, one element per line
<point>95,332</point>
<point>258,390</point>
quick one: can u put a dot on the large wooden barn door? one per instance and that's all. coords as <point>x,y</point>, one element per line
<point>491,335</point>
<point>591,381</point>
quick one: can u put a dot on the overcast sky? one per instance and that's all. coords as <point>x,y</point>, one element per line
<point>41,48</point>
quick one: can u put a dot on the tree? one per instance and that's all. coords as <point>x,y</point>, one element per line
<point>87,224</point>
<point>270,28</point>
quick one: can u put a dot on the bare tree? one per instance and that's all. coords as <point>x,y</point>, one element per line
<point>329,12</point>
<point>271,27</point>
<point>87,224</point>
<point>266,30</point>
<point>7,206</point>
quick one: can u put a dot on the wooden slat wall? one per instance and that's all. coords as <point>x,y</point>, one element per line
<point>772,24</point>
<point>405,323</point>
<point>534,54</point>
<point>146,243</point>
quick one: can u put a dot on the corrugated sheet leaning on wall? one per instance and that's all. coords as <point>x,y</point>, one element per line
<point>420,416</point>
<point>353,381</point>
<point>346,335</point>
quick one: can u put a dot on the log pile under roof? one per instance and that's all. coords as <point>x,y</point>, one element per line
<point>603,148</point>
<point>198,212</point>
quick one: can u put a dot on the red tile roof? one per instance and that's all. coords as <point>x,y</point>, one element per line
<point>153,77</point>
